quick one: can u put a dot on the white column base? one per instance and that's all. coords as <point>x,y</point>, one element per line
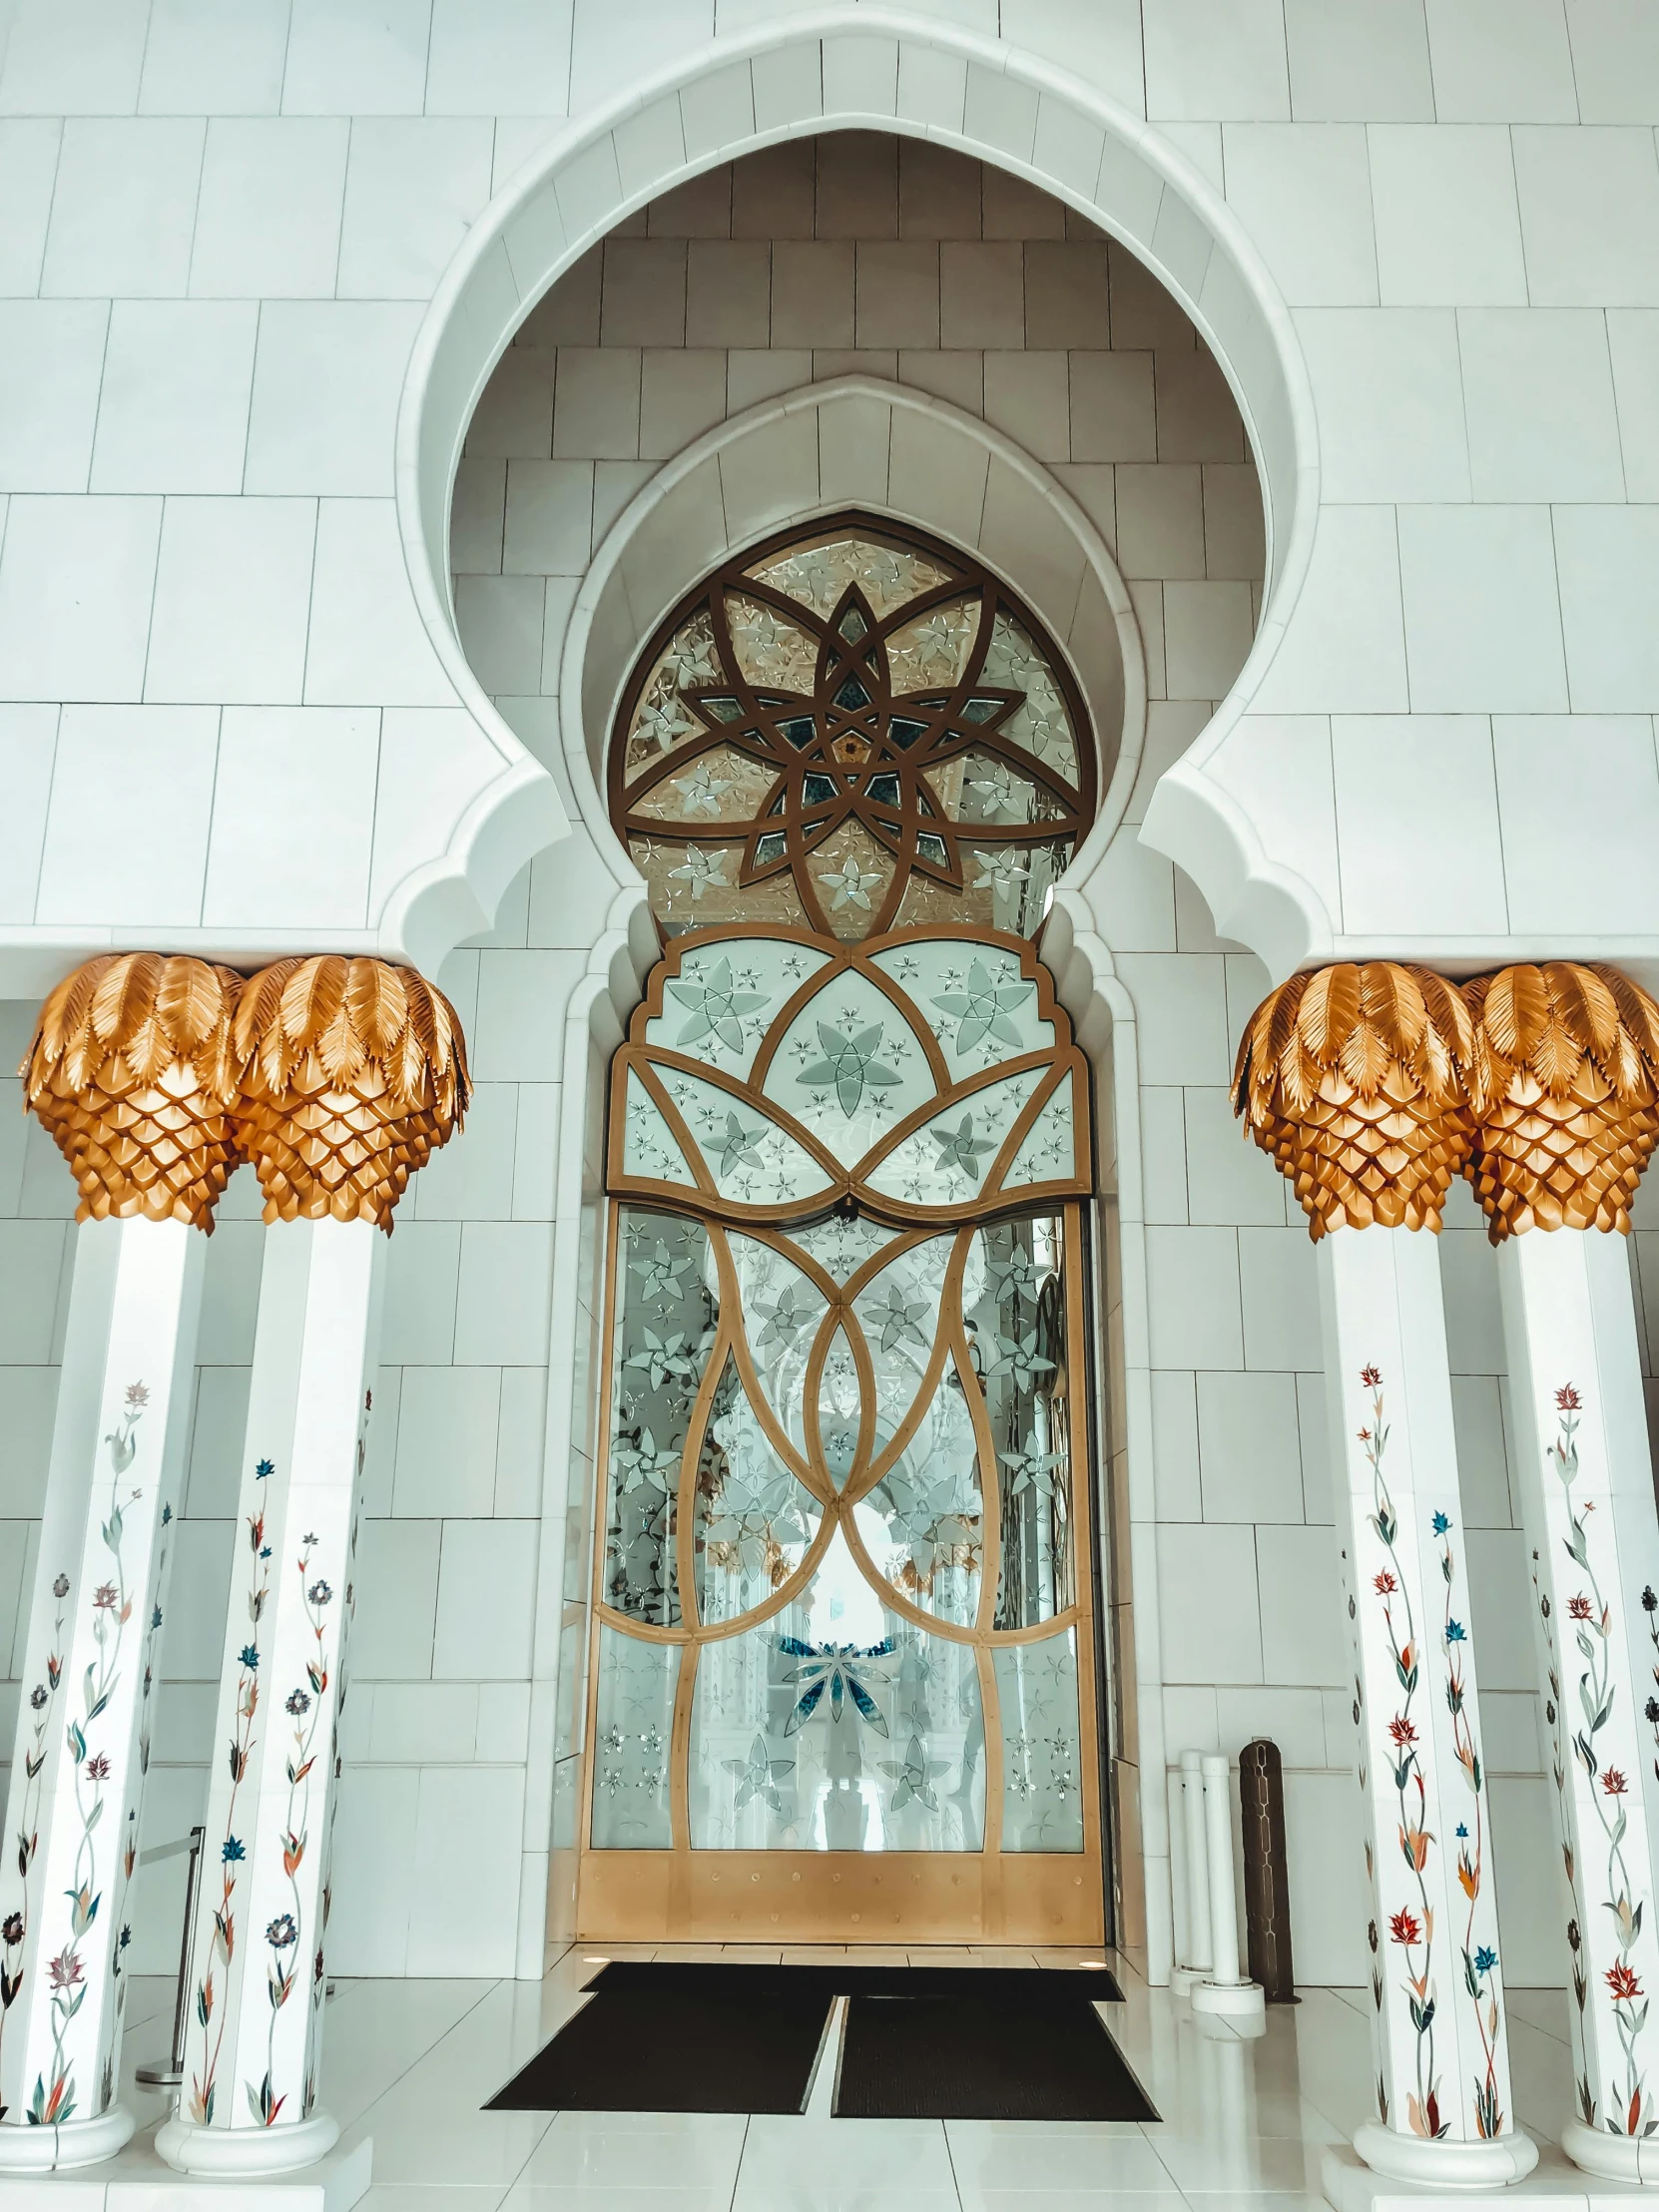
<point>1612,2157</point>
<point>247,2151</point>
<point>1184,1979</point>
<point>1446,2165</point>
<point>72,2143</point>
<point>1232,2000</point>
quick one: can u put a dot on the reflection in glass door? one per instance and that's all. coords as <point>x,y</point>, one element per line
<point>843,1682</point>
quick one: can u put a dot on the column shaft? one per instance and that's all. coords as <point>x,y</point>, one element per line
<point>247,2104</point>
<point>1575,1385</point>
<point>83,1741</point>
<point>1441,2054</point>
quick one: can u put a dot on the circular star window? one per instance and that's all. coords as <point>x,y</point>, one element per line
<point>851,730</point>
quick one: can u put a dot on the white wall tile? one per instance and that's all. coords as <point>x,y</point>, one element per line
<point>204,59</point>
<point>1501,61</point>
<point>1474,1326</point>
<point>357,56</point>
<point>1539,393</point>
<point>597,410</point>
<point>28,746</point>
<point>486,1600</point>
<point>1609,804</point>
<point>1633,340</point>
<point>1303,1637</point>
<point>446,1435</point>
<point>419,1328</point>
<point>1194,1317</point>
<point>471,1179</point>
<point>1616,60</point>
<point>1209,1619</point>
<point>1359,65</point>
<point>372,1901</point>
<point>88,644</point>
<point>412,189</point>
<point>682,395</point>
<point>1303,192</point>
<point>111,762</point>
<point>514,415</point>
<point>505,1284</point>
<point>1607,559</point>
<point>173,407</point>
<point>499,57</point>
<point>1447,222</point>
<point>123,208</point>
<point>397,1588</point>
<point>368,644</point>
<point>1483,624</point>
<point>1248,1449</point>
<point>28,171</point>
<point>1279,1295</point>
<point>74,56</point>
<point>1344,647</point>
<point>1589,202</point>
<point>1208,60</point>
<point>1229,1179</point>
<point>1180,1017</point>
<point>1208,630</point>
<point>1102,43</point>
<point>326,382</point>
<point>1444,865</point>
<point>478,1811</point>
<point>1389,401</point>
<point>269,217</point>
<point>499,619</point>
<point>51,360</point>
<point>1482,1468</point>
<point>431,760</point>
<point>232,588</point>
<point>275,858</point>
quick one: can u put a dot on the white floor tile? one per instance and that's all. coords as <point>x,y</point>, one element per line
<point>1082,2157</point>
<point>605,2150</point>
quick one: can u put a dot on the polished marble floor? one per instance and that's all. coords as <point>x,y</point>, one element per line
<point>411,2062</point>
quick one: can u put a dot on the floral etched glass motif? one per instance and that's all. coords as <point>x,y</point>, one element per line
<point>843,1579</point>
<point>852,729</point>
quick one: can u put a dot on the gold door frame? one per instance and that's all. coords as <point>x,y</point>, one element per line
<point>923,1896</point>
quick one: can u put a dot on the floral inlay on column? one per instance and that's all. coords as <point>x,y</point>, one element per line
<point>1353,1080</point>
<point>1565,1086</point>
<point>129,1073</point>
<point>351,1074</point>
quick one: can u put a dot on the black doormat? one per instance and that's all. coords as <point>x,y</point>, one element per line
<point>737,2040</point>
<point>701,2037</point>
<point>983,2055</point>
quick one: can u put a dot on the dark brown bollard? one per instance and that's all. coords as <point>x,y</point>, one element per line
<point>1267,1883</point>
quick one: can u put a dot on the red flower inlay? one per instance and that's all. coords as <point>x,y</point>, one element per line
<point>1406,1927</point>
<point>1614,1783</point>
<point>1402,1731</point>
<point>1567,1398</point>
<point>1371,1378</point>
<point>1580,1608</point>
<point>1384,1585</point>
<point>1622,1982</point>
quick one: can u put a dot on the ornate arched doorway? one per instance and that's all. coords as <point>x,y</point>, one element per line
<point>843,1680</point>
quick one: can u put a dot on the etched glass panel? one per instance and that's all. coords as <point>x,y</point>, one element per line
<point>837,1726</point>
<point>752,1520</point>
<point>633,1732</point>
<point>1048,1150</point>
<point>666,1309</point>
<point>849,1066</point>
<point>1019,1330</point>
<point>751,1158</point>
<point>649,1148</point>
<point>898,1313</point>
<point>1042,1758</point>
<point>719,1004</point>
<point>867,769</point>
<point>978,1005</point>
<point>842,1246</point>
<point>781,1308</point>
<point>933,1512</point>
<point>948,1160</point>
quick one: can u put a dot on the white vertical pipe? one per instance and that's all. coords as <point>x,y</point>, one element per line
<point>1195,1949</point>
<point>1226,1990</point>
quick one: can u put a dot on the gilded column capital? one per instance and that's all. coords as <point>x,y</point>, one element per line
<point>132,1075</point>
<point>1353,1078</point>
<point>1565,1091</point>
<point>352,1073</point>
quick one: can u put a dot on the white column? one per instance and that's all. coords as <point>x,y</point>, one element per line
<point>1225,1989</point>
<point>1440,2036</point>
<point>83,1740</point>
<point>248,2102</point>
<point>1575,1395</point>
<point>1195,1963</point>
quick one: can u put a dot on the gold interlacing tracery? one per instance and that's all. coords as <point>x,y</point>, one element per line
<point>842,1675</point>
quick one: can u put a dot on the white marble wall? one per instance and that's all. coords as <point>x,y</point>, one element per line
<point>219,229</point>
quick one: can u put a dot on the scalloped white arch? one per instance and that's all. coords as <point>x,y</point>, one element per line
<point>892,71</point>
